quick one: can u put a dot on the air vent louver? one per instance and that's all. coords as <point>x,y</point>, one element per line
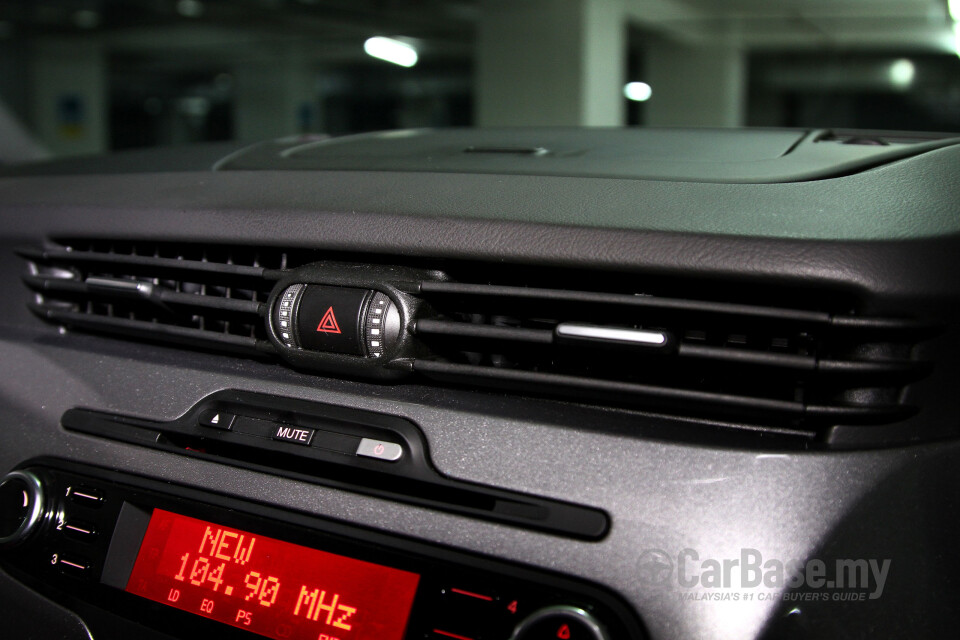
<point>188,294</point>
<point>798,367</point>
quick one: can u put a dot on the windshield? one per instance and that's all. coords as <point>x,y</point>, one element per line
<point>92,76</point>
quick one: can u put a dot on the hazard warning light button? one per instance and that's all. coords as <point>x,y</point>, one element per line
<point>331,318</point>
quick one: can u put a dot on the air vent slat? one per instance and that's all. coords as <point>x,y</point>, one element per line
<point>139,263</point>
<point>636,301</point>
<point>153,331</point>
<point>211,303</point>
<point>189,300</point>
<point>693,402</point>
<point>902,370</point>
<point>465,330</point>
<point>861,415</point>
<point>867,326</point>
<point>745,357</point>
<point>558,383</point>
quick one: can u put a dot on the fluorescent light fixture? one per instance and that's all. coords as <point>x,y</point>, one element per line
<point>86,19</point>
<point>391,50</point>
<point>637,91</point>
<point>902,73</point>
<point>954,6</point>
<point>190,8</point>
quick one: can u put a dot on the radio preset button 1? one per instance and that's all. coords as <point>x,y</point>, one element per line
<point>86,496</point>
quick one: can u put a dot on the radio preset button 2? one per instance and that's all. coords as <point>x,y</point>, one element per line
<point>79,530</point>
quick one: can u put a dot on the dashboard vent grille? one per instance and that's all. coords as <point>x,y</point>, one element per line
<point>770,365</point>
<point>207,297</point>
<point>688,356</point>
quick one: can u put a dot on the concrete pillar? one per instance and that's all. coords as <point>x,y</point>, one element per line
<point>275,96</point>
<point>69,108</point>
<point>700,86</point>
<point>551,62</point>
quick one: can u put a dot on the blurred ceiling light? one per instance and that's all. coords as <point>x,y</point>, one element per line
<point>902,73</point>
<point>954,6</point>
<point>391,50</point>
<point>956,37</point>
<point>190,8</point>
<point>637,91</point>
<point>86,18</point>
<point>194,106</point>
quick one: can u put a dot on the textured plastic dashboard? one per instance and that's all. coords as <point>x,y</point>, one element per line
<point>885,234</point>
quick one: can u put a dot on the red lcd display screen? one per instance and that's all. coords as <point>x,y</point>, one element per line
<point>280,590</point>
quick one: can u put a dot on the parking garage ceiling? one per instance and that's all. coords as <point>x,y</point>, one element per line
<point>445,28</point>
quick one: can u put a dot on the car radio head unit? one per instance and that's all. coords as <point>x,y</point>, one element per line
<point>173,557</point>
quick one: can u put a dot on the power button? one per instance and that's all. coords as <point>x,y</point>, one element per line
<point>560,623</point>
<point>380,449</point>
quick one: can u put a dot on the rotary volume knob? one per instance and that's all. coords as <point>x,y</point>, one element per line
<point>560,623</point>
<point>21,507</point>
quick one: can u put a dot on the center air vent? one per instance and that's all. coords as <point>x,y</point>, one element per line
<point>797,368</point>
<point>678,355</point>
<point>191,295</point>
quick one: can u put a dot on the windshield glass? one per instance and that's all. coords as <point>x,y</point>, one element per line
<point>91,76</point>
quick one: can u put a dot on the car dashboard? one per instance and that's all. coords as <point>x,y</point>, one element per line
<point>486,385</point>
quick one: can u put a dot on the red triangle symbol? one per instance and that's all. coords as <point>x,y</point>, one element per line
<point>563,632</point>
<point>328,323</point>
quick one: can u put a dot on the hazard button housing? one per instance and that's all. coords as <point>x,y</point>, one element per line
<point>336,320</point>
